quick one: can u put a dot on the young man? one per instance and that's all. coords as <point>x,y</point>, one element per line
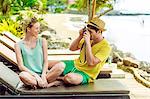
<point>94,51</point>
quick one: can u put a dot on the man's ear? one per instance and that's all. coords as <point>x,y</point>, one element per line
<point>99,31</point>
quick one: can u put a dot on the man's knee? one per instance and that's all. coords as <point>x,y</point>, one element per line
<point>72,78</point>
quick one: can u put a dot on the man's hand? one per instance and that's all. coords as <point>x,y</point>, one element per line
<point>86,36</point>
<point>81,32</point>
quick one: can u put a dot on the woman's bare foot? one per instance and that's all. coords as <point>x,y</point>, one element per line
<point>55,83</point>
<point>60,78</point>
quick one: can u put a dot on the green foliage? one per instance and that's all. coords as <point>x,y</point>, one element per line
<point>57,6</point>
<point>44,3</point>
<point>17,25</point>
<point>8,7</point>
<point>19,5</point>
<point>24,18</point>
<point>5,6</point>
<point>81,5</point>
<point>100,4</point>
<point>11,26</point>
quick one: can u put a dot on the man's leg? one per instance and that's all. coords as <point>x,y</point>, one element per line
<point>73,78</point>
<point>55,72</point>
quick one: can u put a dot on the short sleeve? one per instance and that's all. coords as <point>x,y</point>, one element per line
<point>81,43</point>
<point>103,53</point>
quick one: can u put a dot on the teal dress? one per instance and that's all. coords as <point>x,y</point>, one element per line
<point>33,58</point>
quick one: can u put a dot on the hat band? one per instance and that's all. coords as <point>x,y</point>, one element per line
<point>94,24</point>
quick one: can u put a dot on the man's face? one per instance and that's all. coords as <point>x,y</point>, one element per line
<point>93,33</point>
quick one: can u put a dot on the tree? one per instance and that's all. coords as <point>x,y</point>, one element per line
<point>57,6</point>
<point>93,6</point>
<point>5,6</point>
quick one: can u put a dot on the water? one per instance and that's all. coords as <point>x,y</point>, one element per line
<point>128,33</point>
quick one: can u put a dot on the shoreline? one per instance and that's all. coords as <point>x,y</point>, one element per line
<point>126,37</point>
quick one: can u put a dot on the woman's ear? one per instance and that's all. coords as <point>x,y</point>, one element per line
<point>28,29</point>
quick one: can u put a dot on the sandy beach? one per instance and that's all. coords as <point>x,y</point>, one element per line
<point>62,24</point>
<point>128,33</point>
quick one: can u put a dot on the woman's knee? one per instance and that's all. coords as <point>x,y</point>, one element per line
<point>27,78</point>
<point>60,67</point>
<point>23,75</point>
<point>52,63</point>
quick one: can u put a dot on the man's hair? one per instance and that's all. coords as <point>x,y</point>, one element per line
<point>92,27</point>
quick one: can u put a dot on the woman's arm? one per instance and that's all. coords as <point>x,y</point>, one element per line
<point>45,68</point>
<point>20,61</point>
<point>45,54</point>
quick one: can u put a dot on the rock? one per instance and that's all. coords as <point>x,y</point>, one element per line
<point>116,57</point>
<point>57,45</point>
<point>44,27</point>
<point>128,54</point>
<point>128,61</point>
<point>145,66</point>
<point>46,34</point>
<point>119,63</point>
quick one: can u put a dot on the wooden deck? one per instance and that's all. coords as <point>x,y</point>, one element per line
<point>137,90</point>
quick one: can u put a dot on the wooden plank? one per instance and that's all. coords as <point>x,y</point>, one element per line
<point>62,57</point>
<point>11,56</point>
<point>6,41</point>
<point>100,86</point>
<point>8,54</point>
<point>10,43</point>
<point>11,36</point>
<point>62,52</point>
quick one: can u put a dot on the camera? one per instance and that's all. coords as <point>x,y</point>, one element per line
<point>84,29</point>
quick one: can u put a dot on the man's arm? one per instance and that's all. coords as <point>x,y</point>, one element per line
<point>90,58</point>
<point>75,43</point>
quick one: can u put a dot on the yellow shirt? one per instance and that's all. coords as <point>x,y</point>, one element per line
<point>100,50</point>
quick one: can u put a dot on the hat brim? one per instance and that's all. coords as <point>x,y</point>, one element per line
<point>88,23</point>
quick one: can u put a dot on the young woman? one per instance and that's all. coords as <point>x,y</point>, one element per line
<point>31,54</point>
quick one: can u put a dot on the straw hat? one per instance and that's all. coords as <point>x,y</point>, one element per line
<point>98,23</point>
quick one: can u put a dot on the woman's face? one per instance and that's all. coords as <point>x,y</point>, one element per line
<point>35,29</point>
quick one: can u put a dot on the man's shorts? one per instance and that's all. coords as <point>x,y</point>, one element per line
<point>70,68</point>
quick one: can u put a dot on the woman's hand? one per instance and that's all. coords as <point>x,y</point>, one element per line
<point>39,80</point>
<point>45,83</point>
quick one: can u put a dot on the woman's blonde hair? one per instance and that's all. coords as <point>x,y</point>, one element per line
<point>28,23</point>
